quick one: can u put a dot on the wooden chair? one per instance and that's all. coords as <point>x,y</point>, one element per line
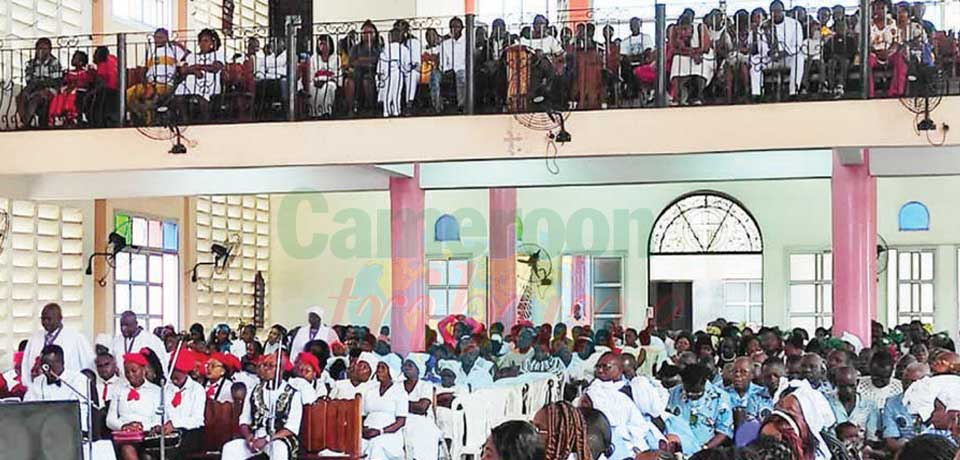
<point>221,420</point>
<point>332,425</point>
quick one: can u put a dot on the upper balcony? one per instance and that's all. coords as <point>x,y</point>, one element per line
<point>512,88</point>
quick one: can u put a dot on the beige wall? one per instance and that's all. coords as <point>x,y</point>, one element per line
<point>795,126</point>
<point>359,10</point>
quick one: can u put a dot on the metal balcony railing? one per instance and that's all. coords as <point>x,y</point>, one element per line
<point>582,60</point>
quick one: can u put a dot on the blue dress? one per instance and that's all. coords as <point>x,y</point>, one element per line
<point>697,421</point>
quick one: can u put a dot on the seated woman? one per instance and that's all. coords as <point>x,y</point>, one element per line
<point>70,102</point>
<point>384,416</point>
<point>220,367</point>
<point>359,377</point>
<point>326,79</point>
<point>514,440</point>
<point>42,75</point>
<point>185,404</point>
<point>134,408</point>
<point>421,433</point>
<point>307,381</point>
<point>202,78</point>
<point>886,50</point>
<point>693,61</point>
<point>363,70</point>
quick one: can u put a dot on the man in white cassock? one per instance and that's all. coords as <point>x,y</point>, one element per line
<point>77,352</point>
<point>779,48</point>
<point>313,330</point>
<point>133,339</point>
<point>54,383</point>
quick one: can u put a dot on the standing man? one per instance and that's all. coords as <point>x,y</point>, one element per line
<point>133,339</point>
<point>77,352</point>
<point>314,330</point>
<point>49,386</point>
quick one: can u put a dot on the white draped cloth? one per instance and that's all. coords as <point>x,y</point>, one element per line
<point>380,411</point>
<point>816,412</point>
<point>77,351</point>
<point>650,396</point>
<point>631,431</point>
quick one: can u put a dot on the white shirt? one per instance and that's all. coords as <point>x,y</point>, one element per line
<point>107,389</point>
<point>238,348</point>
<point>143,410</point>
<point>42,390</point>
<point>304,336</point>
<point>343,389</point>
<point>453,54</point>
<point>221,391</point>
<point>162,63</point>
<point>270,67</point>
<point>247,379</point>
<point>270,399</point>
<point>479,376</point>
<point>77,352</point>
<point>548,44</point>
<point>188,415</point>
<point>650,396</point>
<point>326,71</point>
<point>208,83</point>
<point>309,392</point>
<point>144,339</point>
<point>635,45</point>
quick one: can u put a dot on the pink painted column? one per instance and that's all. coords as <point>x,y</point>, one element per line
<point>502,301</point>
<point>854,203</point>
<point>408,312</point>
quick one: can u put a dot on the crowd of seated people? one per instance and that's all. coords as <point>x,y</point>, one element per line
<point>764,54</point>
<point>728,391</point>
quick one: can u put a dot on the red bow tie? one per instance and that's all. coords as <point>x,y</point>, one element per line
<point>211,390</point>
<point>133,395</point>
<point>103,399</point>
<point>177,399</point>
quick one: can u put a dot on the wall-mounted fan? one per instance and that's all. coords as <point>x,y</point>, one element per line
<point>224,253</point>
<point>4,228</point>
<point>534,269</point>
<point>883,253</point>
<point>926,87</point>
<point>115,243</point>
<point>529,100</point>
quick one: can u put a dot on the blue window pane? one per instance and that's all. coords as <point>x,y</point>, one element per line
<point>446,229</point>
<point>914,217</point>
<point>170,236</point>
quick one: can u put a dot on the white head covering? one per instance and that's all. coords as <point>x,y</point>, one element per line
<point>450,364</point>
<point>394,362</point>
<point>852,340</point>
<point>372,360</point>
<point>816,412</point>
<point>420,361</point>
<point>317,310</point>
<point>949,386</point>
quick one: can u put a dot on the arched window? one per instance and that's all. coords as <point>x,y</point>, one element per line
<point>446,229</point>
<point>703,223</point>
<point>914,217</point>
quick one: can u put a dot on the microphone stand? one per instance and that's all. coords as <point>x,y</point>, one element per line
<point>162,410</point>
<point>89,403</point>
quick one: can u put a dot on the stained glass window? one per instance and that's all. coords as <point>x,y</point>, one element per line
<point>703,223</point>
<point>147,275</point>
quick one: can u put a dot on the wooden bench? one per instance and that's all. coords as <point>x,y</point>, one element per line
<point>331,425</point>
<point>221,421</point>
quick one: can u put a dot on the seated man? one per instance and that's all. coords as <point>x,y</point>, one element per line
<point>134,407</point>
<point>474,372</point>
<point>897,423</point>
<point>702,417</point>
<point>742,392</point>
<point>849,406</point>
<point>631,432</point>
<point>879,386</point>
<point>781,50</point>
<point>161,63</point>
<point>270,421</point>
<point>58,384</point>
<point>42,75</point>
<point>185,404</point>
<point>542,361</point>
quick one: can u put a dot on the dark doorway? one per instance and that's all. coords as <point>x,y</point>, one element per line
<point>672,304</point>
<point>278,12</point>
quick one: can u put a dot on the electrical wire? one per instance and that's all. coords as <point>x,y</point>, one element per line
<point>551,157</point>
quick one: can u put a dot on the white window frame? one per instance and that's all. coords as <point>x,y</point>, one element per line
<point>897,313</point>
<point>750,303</point>
<point>134,11</point>
<point>823,287</point>
<point>447,287</point>
<point>593,285</point>
<point>150,320</point>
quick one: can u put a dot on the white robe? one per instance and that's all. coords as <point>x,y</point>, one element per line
<point>143,410</point>
<point>394,62</point>
<point>630,430</point>
<point>43,391</point>
<point>479,376</point>
<point>650,396</point>
<point>412,77</point>
<point>144,339</point>
<point>303,337</point>
<point>309,392</point>
<point>188,415</point>
<point>77,352</point>
<point>343,389</point>
<point>789,37</point>
<point>380,411</point>
<point>422,436</point>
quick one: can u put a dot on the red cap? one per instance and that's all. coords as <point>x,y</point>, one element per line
<point>136,358</point>
<point>309,359</point>
<point>285,363</point>
<point>186,361</point>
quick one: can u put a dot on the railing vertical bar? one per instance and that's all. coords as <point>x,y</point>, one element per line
<point>121,78</point>
<point>866,76</point>
<point>293,24</point>
<point>471,48</point>
<point>661,39</point>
